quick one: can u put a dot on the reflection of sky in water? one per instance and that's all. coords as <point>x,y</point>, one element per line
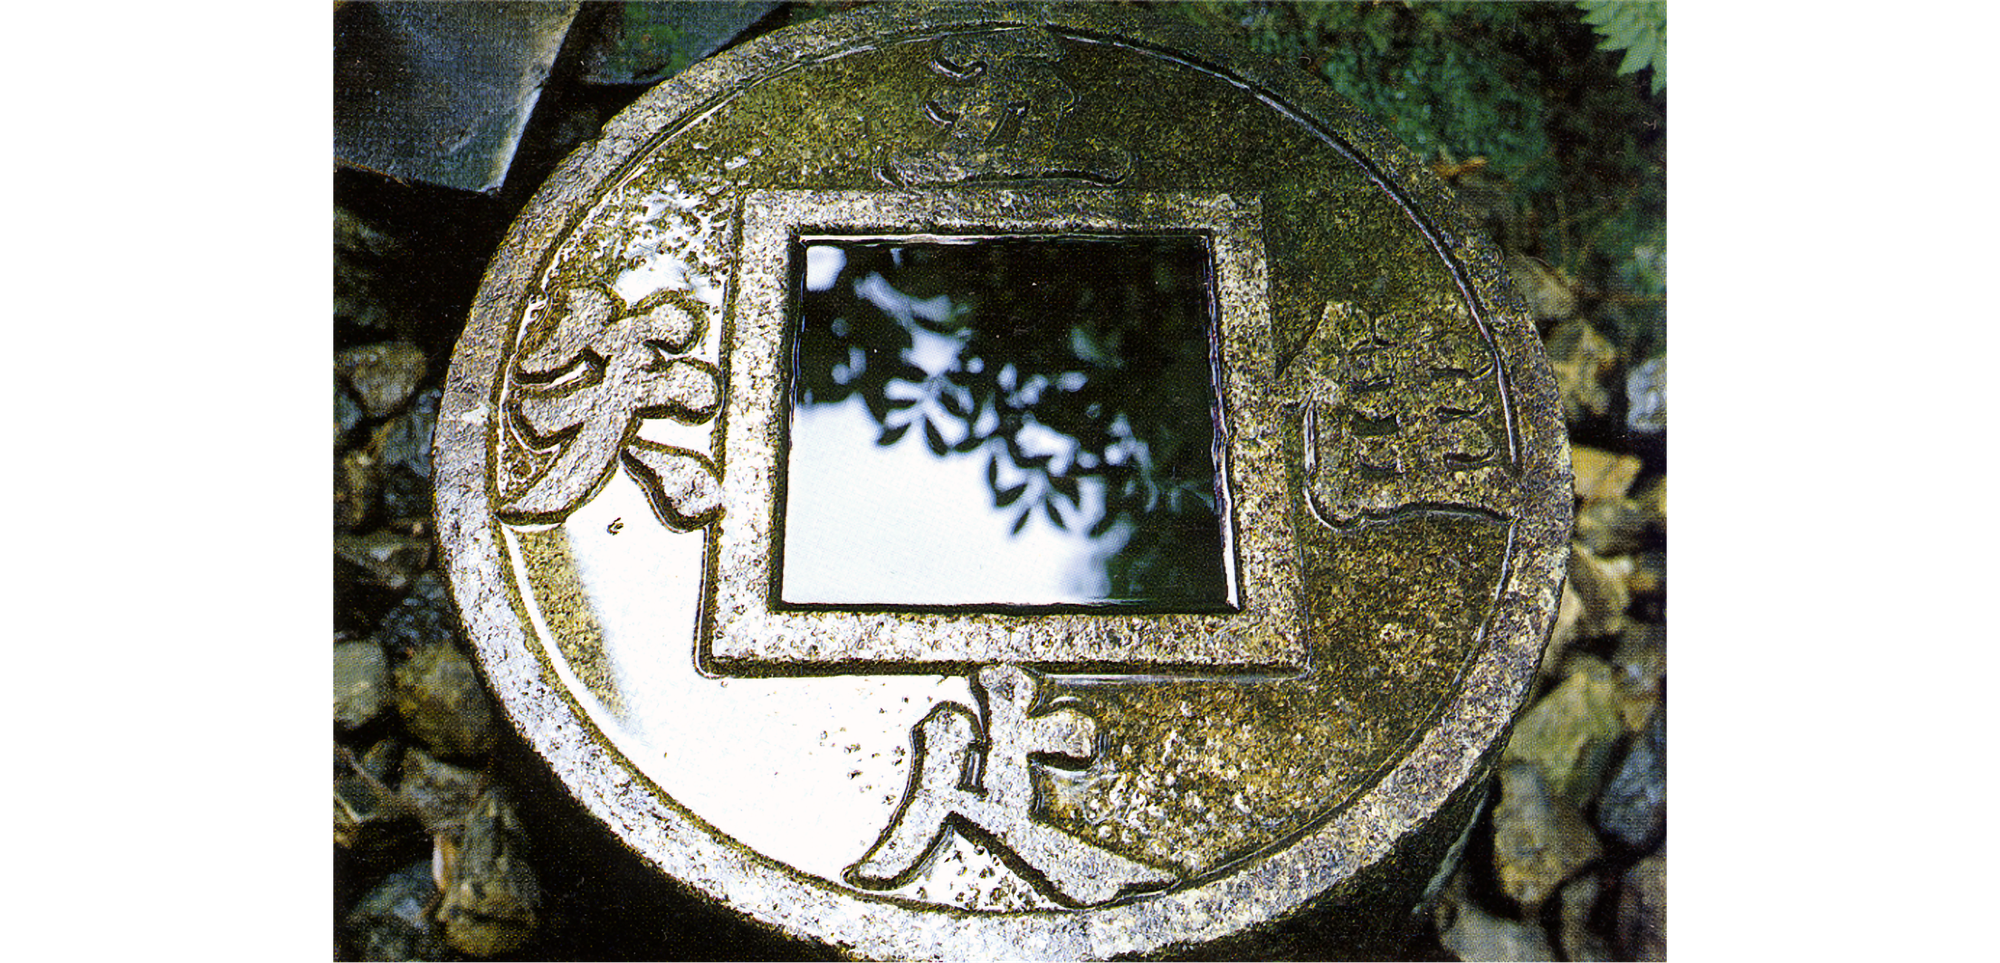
<point>898,525</point>
<point>901,526</point>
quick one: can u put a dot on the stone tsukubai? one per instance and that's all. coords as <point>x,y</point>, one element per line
<point>808,495</point>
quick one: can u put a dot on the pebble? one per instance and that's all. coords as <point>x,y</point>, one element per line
<point>1604,474</point>
<point>1539,839</point>
<point>382,375</point>
<point>384,558</point>
<point>1616,526</point>
<point>443,704</point>
<point>443,793</point>
<point>423,617</point>
<point>357,488</point>
<point>361,687</point>
<point>1646,397</point>
<point>1569,612</point>
<point>1642,909</point>
<point>346,414</point>
<point>405,441</point>
<point>1582,359</point>
<point>1569,735</point>
<point>1550,294</point>
<point>492,900</point>
<point>392,921</point>
<point>1640,662</point>
<point>1633,806</point>
<point>376,824</point>
<point>1602,585</point>
<point>1576,904</point>
<point>1474,934</point>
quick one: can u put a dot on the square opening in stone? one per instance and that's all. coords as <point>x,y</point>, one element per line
<point>1004,422</point>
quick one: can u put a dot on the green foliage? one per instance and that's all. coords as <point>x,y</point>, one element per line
<point>1573,142</point>
<point>1637,27</point>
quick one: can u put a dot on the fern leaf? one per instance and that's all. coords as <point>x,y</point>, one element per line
<point>1637,28</point>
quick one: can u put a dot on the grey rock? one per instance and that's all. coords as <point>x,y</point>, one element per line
<point>1584,362</point>
<point>1640,662</point>
<point>384,558</point>
<point>382,375</point>
<point>1633,807</point>
<point>1602,584</point>
<point>1474,934</point>
<point>372,821</point>
<point>360,250</point>
<point>1616,526</point>
<point>1577,903</point>
<point>443,793</point>
<point>405,441</point>
<point>423,617</point>
<point>1642,909</point>
<point>1649,573</point>
<point>361,688</point>
<point>1604,474</point>
<point>1539,840</point>
<point>393,922</point>
<point>443,703</point>
<point>1570,734</point>
<point>346,414</point>
<point>1646,397</point>
<point>492,900</point>
<point>1550,294</point>
<point>357,488</point>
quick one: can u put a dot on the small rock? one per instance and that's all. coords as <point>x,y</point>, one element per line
<point>443,704</point>
<point>1633,807</point>
<point>374,822</point>
<point>1583,360</point>
<point>384,558</point>
<point>382,375</point>
<point>357,488</point>
<point>491,897</point>
<point>1570,734</point>
<point>352,235</point>
<point>346,414</point>
<point>393,922</point>
<point>1578,902</point>
<point>1602,474</point>
<point>361,687</point>
<point>1646,397</point>
<point>443,793</point>
<point>1652,496</point>
<point>1550,294</point>
<point>1474,934</point>
<point>1642,909</point>
<point>1649,573</point>
<point>405,441</point>
<point>1640,662</point>
<point>423,617</point>
<point>1615,526</point>
<point>383,759</point>
<point>1539,840</point>
<point>1602,584</point>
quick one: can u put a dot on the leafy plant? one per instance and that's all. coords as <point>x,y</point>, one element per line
<point>1637,27</point>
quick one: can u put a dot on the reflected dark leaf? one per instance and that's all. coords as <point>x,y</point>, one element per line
<point>1103,525</point>
<point>959,406</point>
<point>933,439</point>
<point>891,436</point>
<point>1067,486</point>
<point>1004,497</point>
<point>972,442</point>
<point>1049,509</point>
<point>1022,522</point>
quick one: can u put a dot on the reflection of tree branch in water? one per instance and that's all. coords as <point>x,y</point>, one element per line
<point>1064,360</point>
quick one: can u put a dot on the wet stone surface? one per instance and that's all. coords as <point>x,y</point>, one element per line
<point>1173,787</point>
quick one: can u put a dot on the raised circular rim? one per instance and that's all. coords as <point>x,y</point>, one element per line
<point>1450,755</point>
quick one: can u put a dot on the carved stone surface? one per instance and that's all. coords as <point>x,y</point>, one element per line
<point>996,780</point>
